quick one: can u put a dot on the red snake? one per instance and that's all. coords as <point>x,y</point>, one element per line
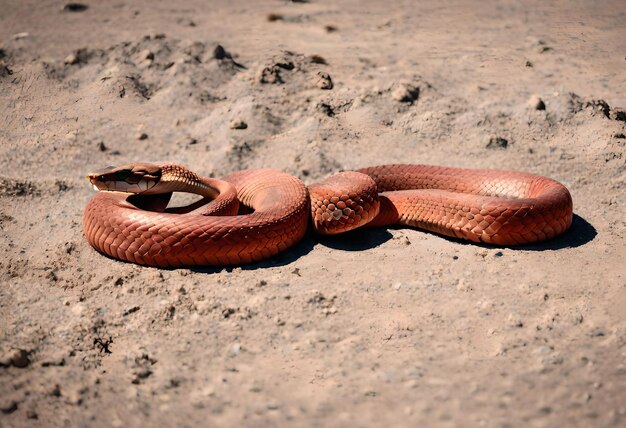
<point>130,220</point>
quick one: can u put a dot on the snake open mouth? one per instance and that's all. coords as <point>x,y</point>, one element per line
<point>132,178</point>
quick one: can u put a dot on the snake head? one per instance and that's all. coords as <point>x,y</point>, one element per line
<point>136,177</point>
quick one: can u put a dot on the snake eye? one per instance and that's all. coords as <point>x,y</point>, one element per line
<point>122,174</point>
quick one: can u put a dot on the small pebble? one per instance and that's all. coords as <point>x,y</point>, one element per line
<point>272,406</point>
<point>619,135</point>
<point>102,147</point>
<point>235,350</point>
<point>272,17</point>
<point>71,59</point>
<point>597,332</point>
<point>141,136</point>
<point>74,397</point>
<point>78,309</point>
<point>130,310</point>
<point>219,52</point>
<point>323,80</point>
<point>618,114</point>
<point>514,320</point>
<point>5,71</point>
<point>9,406</point>
<point>326,109</point>
<point>406,93</point>
<point>226,313</point>
<point>269,75</point>
<point>463,286</point>
<point>75,7</point>
<point>146,54</point>
<point>536,102</point>
<point>20,36</point>
<point>142,373</point>
<point>330,311</point>
<point>56,391</point>
<point>497,143</point>
<point>20,358</point>
<point>316,59</point>
<point>57,361</point>
<point>543,350</point>
<point>238,124</point>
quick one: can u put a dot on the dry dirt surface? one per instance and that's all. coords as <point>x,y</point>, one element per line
<point>382,327</point>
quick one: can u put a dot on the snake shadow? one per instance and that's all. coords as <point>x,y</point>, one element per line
<point>302,248</point>
<point>580,233</point>
<point>358,240</point>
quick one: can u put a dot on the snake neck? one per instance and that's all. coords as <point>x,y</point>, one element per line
<point>175,178</point>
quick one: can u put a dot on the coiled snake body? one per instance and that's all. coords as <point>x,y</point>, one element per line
<point>491,206</point>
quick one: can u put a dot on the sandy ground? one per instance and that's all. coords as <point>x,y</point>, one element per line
<point>397,327</point>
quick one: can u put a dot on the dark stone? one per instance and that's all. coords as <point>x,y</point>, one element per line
<point>9,407</point>
<point>497,143</point>
<point>326,109</point>
<point>323,80</point>
<point>20,358</point>
<point>272,17</point>
<point>316,59</point>
<point>219,52</point>
<point>618,115</point>
<point>286,65</point>
<point>5,71</point>
<point>75,7</point>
